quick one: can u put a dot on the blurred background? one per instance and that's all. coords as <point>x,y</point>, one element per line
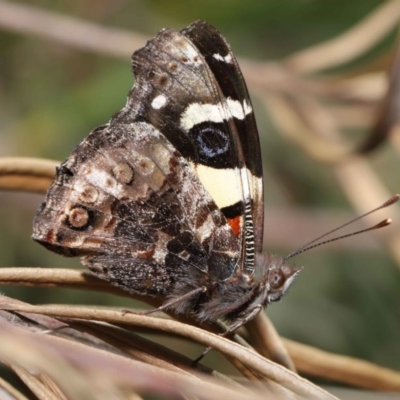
<point>318,73</point>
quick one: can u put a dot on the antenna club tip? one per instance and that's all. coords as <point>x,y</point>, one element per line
<point>382,224</point>
<point>394,199</point>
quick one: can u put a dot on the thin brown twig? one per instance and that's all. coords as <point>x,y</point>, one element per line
<point>343,369</point>
<point>26,174</point>
<point>28,166</point>
<point>120,43</point>
<point>249,358</point>
<point>78,279</point>
<point>361,185</point>
<point>51,385</point>
<point>350,44</point>
<point>34,384</point>
<point>11,391</point>
<point>268,342</point>
<point>28,184</point>
<point>387,117</point>
<point>289,123</point>
<point>22,18</point>
<point>118,369</point>
<point>139,347</point>
<point>60,277</point>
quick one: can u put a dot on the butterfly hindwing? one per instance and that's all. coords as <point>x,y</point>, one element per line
<point>133,208</point>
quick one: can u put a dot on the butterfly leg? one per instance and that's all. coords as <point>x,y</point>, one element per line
<point>169,303</point>
<point>239,322</point>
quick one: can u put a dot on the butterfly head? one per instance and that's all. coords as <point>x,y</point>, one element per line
<point>276,277</point>
<point>279,281</point>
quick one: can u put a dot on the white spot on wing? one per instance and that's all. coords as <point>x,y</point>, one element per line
<point>247,107</point>
<point>160,250</point>
<point>246,174</point>
<point>104,181</point>
<point>218,57</point>
<point>189,52</point>
<point>159,102</point>
<point>235,108</point>
<point>227,58</point>
<point>205,230</point>
<point>197,113</point>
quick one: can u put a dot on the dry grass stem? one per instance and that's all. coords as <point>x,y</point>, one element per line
<point>69,31</point>
<point>26,174</point>
<point>289,123</point>
<point>351,371</point>
<point>268,342</point>
<point>264,368</point>
<point>25,166</point>
<point>59,277</point>
<point>39,389</point>
<point>69,278</point>
<point>365,190</point>
<point>350,44</point>
<point>118,369</point>
<point>142,349</point>
<point>387,120</point>
<point>10,391</point>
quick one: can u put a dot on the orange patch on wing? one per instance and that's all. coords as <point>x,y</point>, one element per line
<point>235,224</point>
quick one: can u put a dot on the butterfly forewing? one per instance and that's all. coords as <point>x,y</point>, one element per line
<point>201,105</point>
<point>227,73</point>
<point>223,64</point>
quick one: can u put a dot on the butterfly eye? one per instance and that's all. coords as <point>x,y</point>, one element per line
<point>276,279</point>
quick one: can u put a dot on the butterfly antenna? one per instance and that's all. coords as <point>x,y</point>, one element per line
<point>310,245</point>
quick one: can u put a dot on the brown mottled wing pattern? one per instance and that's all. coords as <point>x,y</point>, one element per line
<point>132,208</point>
<point>140,199</point>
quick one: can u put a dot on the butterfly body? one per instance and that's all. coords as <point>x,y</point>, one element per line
<point>166,198</point>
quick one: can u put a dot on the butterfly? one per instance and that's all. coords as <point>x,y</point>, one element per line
<point>166,199</point>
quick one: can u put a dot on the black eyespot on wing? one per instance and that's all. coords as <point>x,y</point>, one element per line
<point>213,145</point>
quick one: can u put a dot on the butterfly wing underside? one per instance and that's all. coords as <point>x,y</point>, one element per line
<point>135,200</point>
<point>226,70</point>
